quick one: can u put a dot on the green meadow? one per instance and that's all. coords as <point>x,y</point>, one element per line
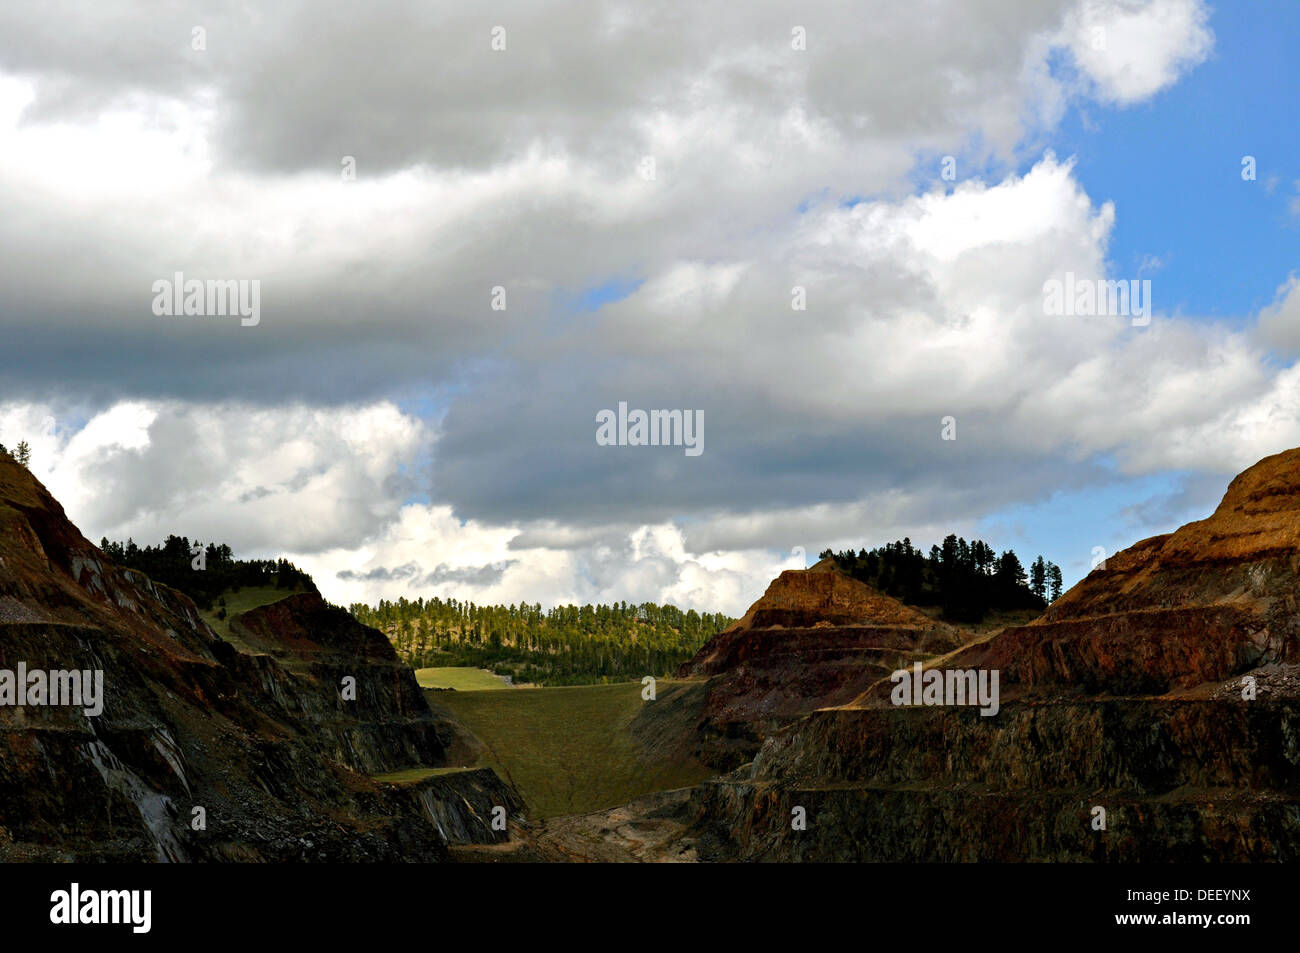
<point>460,678</point>
<point>568,750</point>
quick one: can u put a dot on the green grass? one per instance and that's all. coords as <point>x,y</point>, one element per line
<point>411,775</point>
<point>460,678</point>
<point>568,750</point>
<point>241,600</point>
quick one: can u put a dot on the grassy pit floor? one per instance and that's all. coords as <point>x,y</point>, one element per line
<point>568,750</point>
<point>462,679</point>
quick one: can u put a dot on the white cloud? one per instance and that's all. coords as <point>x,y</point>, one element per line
<point>429,552</point>
<point>1133,49</point>
<point>264,479</point>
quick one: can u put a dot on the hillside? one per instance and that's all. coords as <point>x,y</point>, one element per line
<point>563,645</point>
<point>815,638</point>
<point>965,581</point>
<point>204,751</point>
<point>1126,696</point>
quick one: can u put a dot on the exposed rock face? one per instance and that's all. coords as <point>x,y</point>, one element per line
<point>1179,780</point>
<point>1214,598</point>
<point>1125,695</point>
<point>262,741</point>
<point>815,639</point>
<point>387,727</point>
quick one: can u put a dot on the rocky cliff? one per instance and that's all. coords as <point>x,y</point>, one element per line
<point>1215,598</point>
<point>815,639</point>
<point>205,750</point>
<point>1128,729</point>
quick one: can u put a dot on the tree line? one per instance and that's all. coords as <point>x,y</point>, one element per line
<point>204,572</point>
<point>565,645</point>
<point>967,580</point>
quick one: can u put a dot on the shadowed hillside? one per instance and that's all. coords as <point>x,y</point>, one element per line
<point>204,751</point>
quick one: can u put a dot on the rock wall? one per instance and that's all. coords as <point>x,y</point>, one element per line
<point>1129,694</point>
<point>260,742</point>
<point>816,638</point>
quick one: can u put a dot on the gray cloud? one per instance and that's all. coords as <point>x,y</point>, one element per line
<point>138,156</point>
<point>520,170</point>
<point>409,83</point>
<point>410,572</point>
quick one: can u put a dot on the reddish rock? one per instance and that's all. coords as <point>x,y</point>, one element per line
<point>1125,695</point>
<point>1216,598</point>
<point>816,638</point>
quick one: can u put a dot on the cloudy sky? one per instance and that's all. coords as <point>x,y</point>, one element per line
<point>644,186</point>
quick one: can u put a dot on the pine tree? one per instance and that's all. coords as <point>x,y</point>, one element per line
<point>23,453</point>
<point>1038,578</point>
<point>1054,578</point>
<point>1008,569</point>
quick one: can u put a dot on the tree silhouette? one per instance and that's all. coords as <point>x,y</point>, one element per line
<point>1038,578</point>
<point>965,579</point>
<point>1054,578</point>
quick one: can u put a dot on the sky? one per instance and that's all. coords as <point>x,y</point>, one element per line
<point>826,230</point>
